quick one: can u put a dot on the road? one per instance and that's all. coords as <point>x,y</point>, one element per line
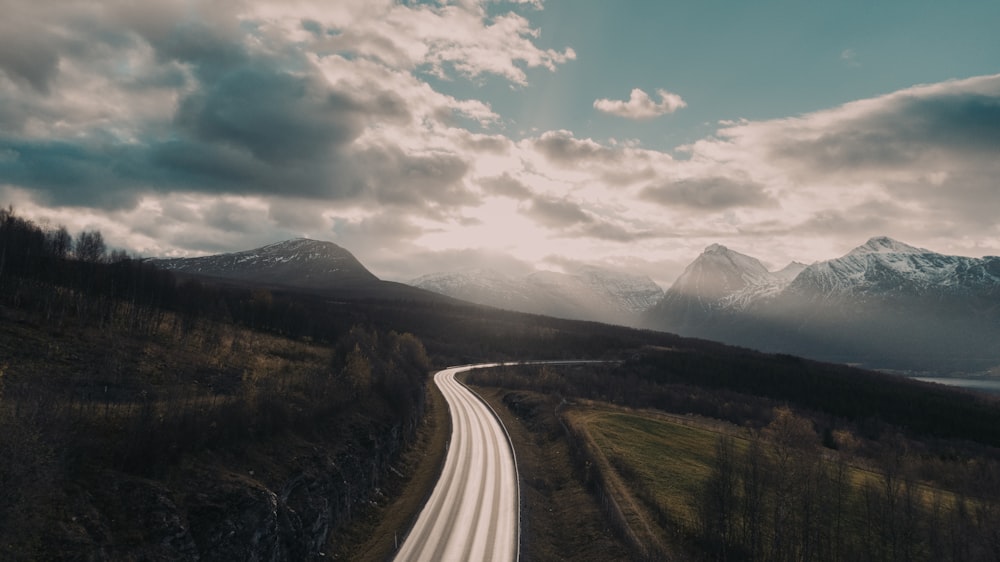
<point>472,513</point>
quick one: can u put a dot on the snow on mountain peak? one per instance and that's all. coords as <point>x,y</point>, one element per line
<point>886,245</point>
<point>298,262</point>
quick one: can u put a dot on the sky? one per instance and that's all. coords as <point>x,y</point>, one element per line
<point>520,134</point>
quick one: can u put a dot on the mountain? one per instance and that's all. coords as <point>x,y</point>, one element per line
<point>884,304</point>
<point>302,264</point>
<point>884,266</point>
<point>479,285</point>
<point>717,285</point>
<point>589,293</point>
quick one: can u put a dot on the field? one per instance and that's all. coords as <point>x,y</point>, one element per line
<point>686,486</point>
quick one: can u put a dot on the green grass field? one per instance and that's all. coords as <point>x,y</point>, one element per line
<point>666,459</point>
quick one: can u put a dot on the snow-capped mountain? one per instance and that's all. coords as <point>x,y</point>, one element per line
<point>884,266</point>
<point>590,293</point>
<point>299,263</point>
<point>719,283</point>
<point>884,304</point>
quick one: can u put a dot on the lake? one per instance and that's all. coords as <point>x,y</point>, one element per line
<point>982,385</point>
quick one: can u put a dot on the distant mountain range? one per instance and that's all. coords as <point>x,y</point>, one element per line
<point>589,293</point>
<point>884,304</point>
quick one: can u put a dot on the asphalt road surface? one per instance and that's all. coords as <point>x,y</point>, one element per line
<point>472,513</point>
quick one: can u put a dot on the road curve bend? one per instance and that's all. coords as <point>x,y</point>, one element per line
<point>472,513</point>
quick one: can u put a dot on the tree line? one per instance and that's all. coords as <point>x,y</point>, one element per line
<point>782,497</point>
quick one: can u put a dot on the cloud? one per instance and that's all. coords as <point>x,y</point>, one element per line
<point>557,213</point>
<point>442,39</point>
<point>640,105</point>
<point>277,116</point>
<point>571,220</point>
<point>234,109</point>
<point>505,185</point>
<point>26,56</point>
<point>709,193</point>
<point>932,147</point>
<point>562,147</point>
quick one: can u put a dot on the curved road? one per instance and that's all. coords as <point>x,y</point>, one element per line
<point>472,513</point>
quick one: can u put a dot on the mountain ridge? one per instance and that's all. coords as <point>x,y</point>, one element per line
<point>884,304</point>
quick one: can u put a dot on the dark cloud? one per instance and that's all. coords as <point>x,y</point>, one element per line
<point>428,181</point>
<point>312,26</point>
<point>26,55</point>
<point>712,194</point>
<point>912,130</point>
<point>253,121</point>
<point>561,147</point>
<point>507,186</point>
<point>278,116</point>
<point>73,173</point>
<point>557,213</point>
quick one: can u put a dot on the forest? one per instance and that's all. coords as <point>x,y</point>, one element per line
<point>130,404</point>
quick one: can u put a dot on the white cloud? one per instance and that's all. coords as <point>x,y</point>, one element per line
<point>442,38</point>
<point>640,105</point>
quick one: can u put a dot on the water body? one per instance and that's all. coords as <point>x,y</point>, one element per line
<point>983,385</point>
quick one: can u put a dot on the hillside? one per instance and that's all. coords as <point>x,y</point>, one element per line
<point>300,264</point>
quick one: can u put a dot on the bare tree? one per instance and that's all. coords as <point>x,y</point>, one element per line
<point>60,242</point>
<point>90,246</point>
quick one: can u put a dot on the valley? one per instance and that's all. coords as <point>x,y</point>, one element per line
<point>245,414</point>
<point>512,280</point>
